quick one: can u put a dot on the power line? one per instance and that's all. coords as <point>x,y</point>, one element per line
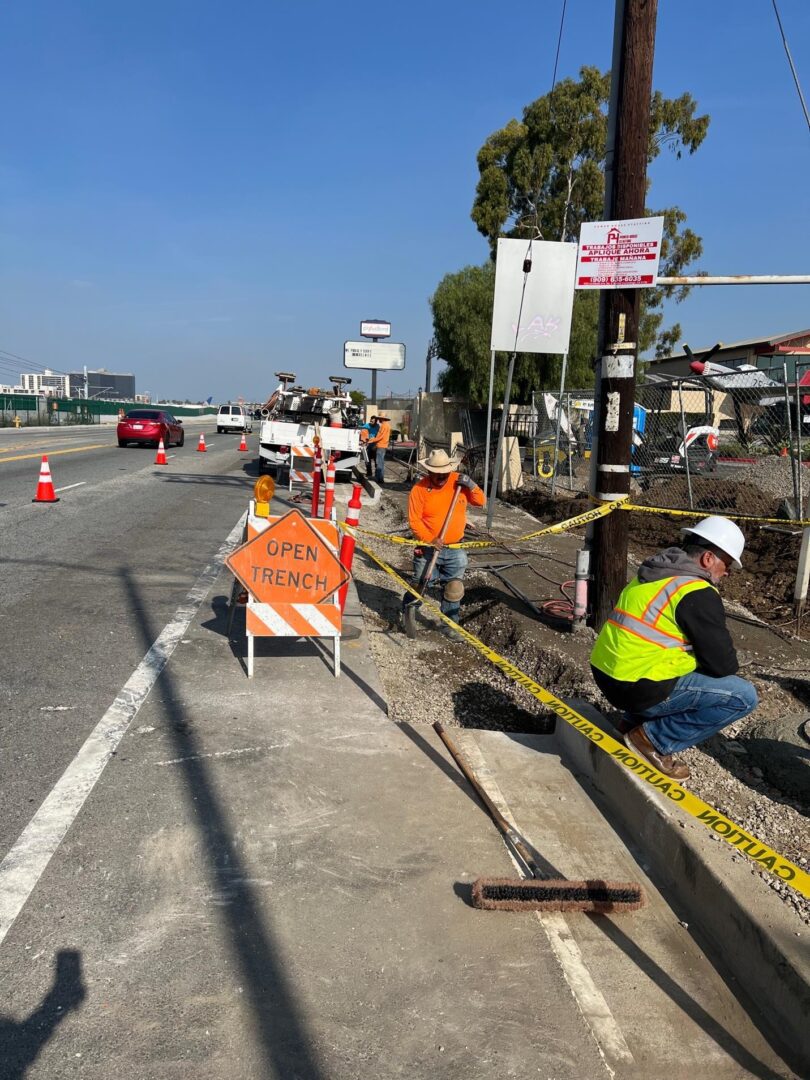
<point>792,66</point>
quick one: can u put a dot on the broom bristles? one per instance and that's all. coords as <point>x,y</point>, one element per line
<point>556,894</point>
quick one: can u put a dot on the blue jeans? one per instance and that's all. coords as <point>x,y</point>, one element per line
<point>451,563</point>
<point>698,707</point>
<point>379,465</point>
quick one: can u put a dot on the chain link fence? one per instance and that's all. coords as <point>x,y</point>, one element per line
<point>726,443</point>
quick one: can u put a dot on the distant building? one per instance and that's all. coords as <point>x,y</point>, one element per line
<point>143,399</point>
<point>4,389</point>
<point>104,385</point>
<point>44,383</point>
<point>761,352</point>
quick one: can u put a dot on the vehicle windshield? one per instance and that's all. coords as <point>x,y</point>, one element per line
<point>143,414</point>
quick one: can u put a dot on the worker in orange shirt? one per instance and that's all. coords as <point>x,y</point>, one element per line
<point>428,507</point>
<point>379,444</point>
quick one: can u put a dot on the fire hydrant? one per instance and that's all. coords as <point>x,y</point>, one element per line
<point>17,421</point>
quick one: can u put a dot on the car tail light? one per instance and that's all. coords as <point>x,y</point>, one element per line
<point>284,449</point>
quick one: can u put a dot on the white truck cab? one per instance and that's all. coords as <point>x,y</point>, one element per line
<point>293,416</point>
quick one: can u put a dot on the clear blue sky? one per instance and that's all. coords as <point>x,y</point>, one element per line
<point>204,192</point>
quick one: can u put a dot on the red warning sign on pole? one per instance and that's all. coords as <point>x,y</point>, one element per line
<point>288,562</point>
<point>619,254</point>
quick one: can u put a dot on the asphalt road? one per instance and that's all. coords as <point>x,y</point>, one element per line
<point>81,579</point>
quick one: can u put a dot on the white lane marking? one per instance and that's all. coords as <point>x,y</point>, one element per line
<point>56,708</point>
<point>81,483</point>
<point>26,861</point>
<point>607,1034</point>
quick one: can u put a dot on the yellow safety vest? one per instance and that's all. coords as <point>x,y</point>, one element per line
<point>641,639</point>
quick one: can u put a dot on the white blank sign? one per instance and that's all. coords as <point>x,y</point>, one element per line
<point>548,301</point>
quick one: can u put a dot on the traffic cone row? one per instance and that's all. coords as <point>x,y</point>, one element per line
<point>45,492</point>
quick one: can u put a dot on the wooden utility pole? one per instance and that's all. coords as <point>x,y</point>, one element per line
<point>625,191</point>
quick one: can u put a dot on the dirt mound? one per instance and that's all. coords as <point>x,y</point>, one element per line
<point>765,584</point>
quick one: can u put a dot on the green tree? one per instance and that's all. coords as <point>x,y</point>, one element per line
<point>358,397</point>
<point>542,177</point>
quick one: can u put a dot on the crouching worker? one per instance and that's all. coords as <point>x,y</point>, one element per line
<point>429,514</point>
<point>665,656</point>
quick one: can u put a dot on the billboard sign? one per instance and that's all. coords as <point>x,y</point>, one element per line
<point>375,328</point>
<point>374,355</point>
<point>537,319</point>
<point>619,254</point>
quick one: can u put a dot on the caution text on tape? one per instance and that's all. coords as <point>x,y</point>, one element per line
<point>561,526</point>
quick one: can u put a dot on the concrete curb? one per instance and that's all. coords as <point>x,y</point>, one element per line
<point>754,942</point>
<point>369,486</point>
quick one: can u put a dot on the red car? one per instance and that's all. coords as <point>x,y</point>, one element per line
<point>149,426</point>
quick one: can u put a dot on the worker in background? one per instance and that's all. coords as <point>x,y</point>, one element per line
<point>379,443</point>
<point>428,507</point>
<point>665,656</point>
<point>367,433</point>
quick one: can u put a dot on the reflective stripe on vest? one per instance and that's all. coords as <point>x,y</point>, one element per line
<point>641,638</point>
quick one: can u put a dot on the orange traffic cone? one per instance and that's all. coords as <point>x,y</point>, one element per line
<point>160,457</point>
<point>243,443</point>
<point>45,492</point>
<point>201,444</point>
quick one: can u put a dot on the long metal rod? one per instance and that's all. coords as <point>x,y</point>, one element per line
<point>559,422</point>
<point>799,466</point>
<point>789,421</point>
<point>501,433</point>
<point>738,279</point>
<point>686,449</point>
<point>489,418</point>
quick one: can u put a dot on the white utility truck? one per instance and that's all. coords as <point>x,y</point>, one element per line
<point>293,416</point>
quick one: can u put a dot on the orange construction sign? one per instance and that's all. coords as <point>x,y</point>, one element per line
<point>288,562</point>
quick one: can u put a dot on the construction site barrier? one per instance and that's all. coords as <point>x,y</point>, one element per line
<point>750,518</point>
<point>761,854</point>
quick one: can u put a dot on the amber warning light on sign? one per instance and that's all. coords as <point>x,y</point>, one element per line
<point>289,562</point>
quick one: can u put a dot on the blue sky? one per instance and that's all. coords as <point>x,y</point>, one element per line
<point>204,193</point>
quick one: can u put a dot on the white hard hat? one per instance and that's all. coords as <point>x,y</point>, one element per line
<point>720,533</point>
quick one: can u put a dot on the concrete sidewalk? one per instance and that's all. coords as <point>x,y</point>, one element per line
<point>272,880</point>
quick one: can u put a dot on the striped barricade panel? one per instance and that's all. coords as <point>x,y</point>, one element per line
<point>293,620</point>
<point>302,465</point>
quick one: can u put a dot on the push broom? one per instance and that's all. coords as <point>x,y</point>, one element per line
<point>539,893</point>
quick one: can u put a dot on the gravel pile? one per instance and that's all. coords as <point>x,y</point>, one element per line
<point>434,678</point>
<point>774,475</point>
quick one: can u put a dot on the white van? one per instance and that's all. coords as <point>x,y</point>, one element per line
<point>233,418</point>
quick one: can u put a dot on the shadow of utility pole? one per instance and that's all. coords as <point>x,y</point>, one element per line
<point>285,1043</point>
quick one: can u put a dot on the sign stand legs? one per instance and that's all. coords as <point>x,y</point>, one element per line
<point>250,655</point>
<point>489,418</point>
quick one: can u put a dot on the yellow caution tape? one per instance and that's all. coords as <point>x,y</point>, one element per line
<point>764,856</point>
<point>702,513</point>
<point>561,526</point>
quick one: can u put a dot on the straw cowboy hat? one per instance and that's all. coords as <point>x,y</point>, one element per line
<point>438,461</point>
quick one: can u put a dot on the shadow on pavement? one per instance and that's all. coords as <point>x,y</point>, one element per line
<point>22,1040</point>
<point>205,478</point>
<point>284,1041</point>
<point>642,960</point>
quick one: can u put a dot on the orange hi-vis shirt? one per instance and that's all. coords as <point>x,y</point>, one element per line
<point>428,506</point>
<point>383,436</point>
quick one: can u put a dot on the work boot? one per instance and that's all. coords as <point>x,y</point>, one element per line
<point>637,741</point>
